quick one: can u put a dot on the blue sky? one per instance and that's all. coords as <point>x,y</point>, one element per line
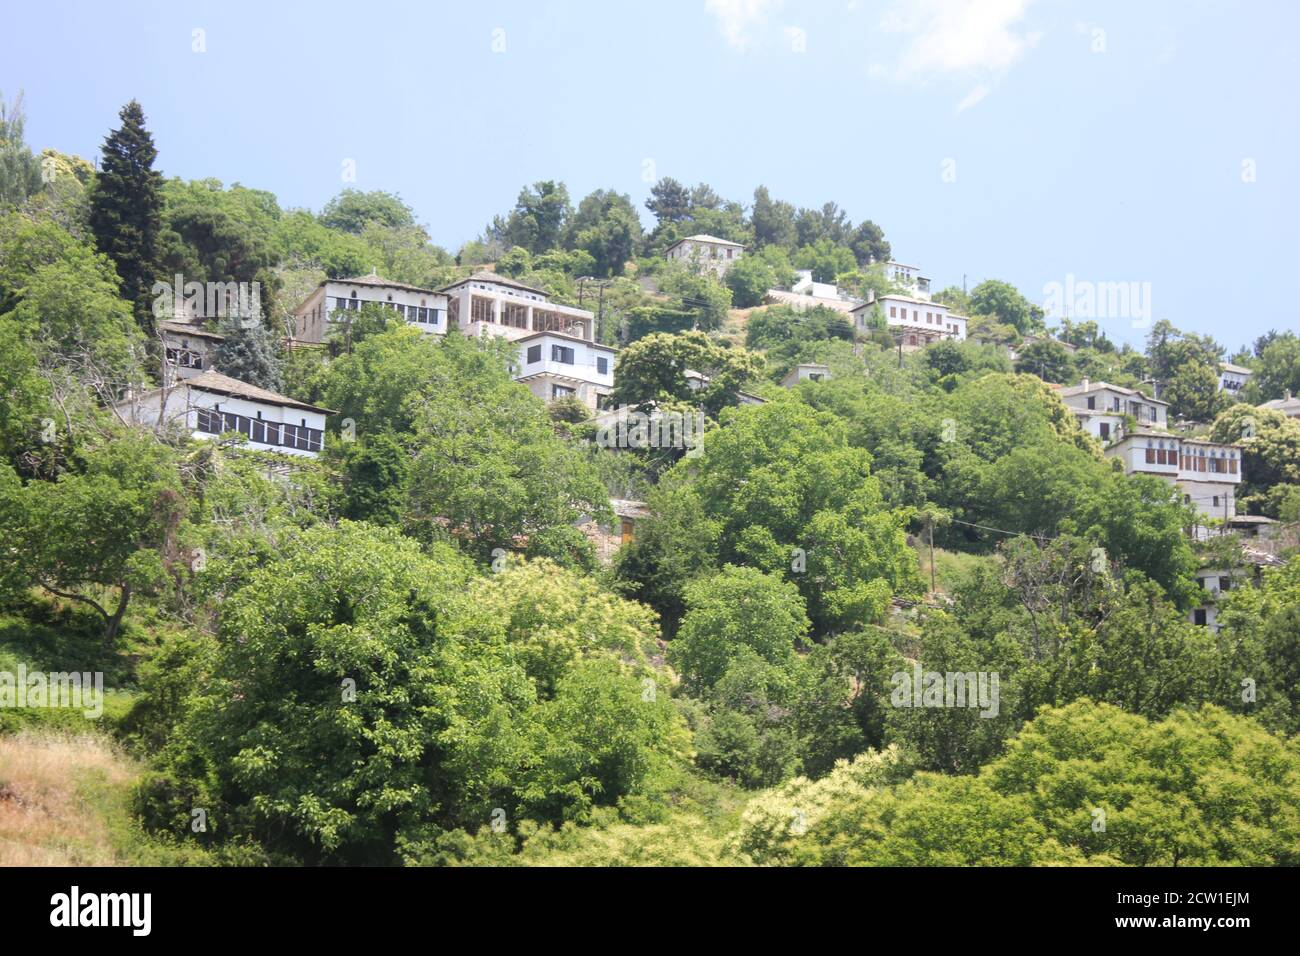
<point>1154,142</point>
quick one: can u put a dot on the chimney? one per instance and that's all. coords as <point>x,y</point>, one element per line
<point>1288,395</point>
<point>1086,383</point>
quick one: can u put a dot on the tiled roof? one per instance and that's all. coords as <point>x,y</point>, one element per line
<point>1083,389</point>
<point>185,328</point>
<point>225,385</point>
<point>484,276</point>
<point>377,281</point>
<point>705,237</point>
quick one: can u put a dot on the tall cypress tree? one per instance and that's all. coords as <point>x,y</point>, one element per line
<point>126,211</point>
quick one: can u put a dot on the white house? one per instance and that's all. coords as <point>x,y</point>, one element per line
<point>187,349</point>
<point>909,278</point>
<point>329,304</point>
<point>1207,473</point>
<point>806,294</point>
<point>1100,408</point>
<point>805,372</point>
<point>1233,378</point>
<point>211,404</point>
<point>1287,405</point>
<point>559,356</point>
<point>554,365</point>
<point>918,322</point>
<point>705,252</point>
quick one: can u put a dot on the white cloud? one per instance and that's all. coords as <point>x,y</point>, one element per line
<point>740,20</point>
<point>974,40</point>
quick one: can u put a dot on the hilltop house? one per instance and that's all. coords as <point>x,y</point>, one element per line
<point>187,349</point>
<point>915,322</point>
<point>1233,378</point>
<point>1207,473</point>
<point>328,305</point>
<point>1100,408</point>
<point>909,278</point>
<point>210,404</point>
<point>704,252</point>
<point>1287,405</point>
<point>558,354</point>
<point>806,294</point>
<point>805,372</point>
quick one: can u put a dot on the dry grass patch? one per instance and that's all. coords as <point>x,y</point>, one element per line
<point>58,796</point>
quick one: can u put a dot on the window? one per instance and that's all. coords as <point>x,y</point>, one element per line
<point>1105,431</point>
<point>534,354</point>
<point>1151,456</point>
<point>562,354</point>
<point>561,391</point>
<point>1198,616</point>
<point>602,365</point>
<point>1092,402</point>
<point>1216,501</point>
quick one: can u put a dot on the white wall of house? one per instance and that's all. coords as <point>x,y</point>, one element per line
<point>482,307</point>
<point>925,320</point>
<point>1233,380</point>
<point>702,254</point>
<point>193,409</point>
<point>554,366</point>
<point>421,308</point>
<point>1187,464</point>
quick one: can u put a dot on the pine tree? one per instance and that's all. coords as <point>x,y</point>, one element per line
<point>249,353</point>
<point>126,210</point>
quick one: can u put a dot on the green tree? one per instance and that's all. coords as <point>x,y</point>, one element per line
<point>107,525</point>
<point>772,221</point>
<point>607,227</point>
<point>491,473</point>
<point>652,372</point>
<point>126,210</point>
<point>352,210</point>
<point>737,608</point>
<point>20,171</point>
<point>1004,302</point>
<point>249,353</point>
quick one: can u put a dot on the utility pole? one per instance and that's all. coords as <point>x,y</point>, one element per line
<point>931,523</point>
<point>600,313</point>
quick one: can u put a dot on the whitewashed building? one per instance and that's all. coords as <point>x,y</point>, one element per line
<point>703,252</point>
<point>1233,378</point>
<point>917,322</point>
<point>807,294</point>
<point>1206,472</point>
<point>1288,405</point>
<point>212,404</point>
<point>554,365</point>
<point>1100,408</point>
<point>328,306</point>
<point>909,278</point>
<point>558,354</point>
<point>805,372</point>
